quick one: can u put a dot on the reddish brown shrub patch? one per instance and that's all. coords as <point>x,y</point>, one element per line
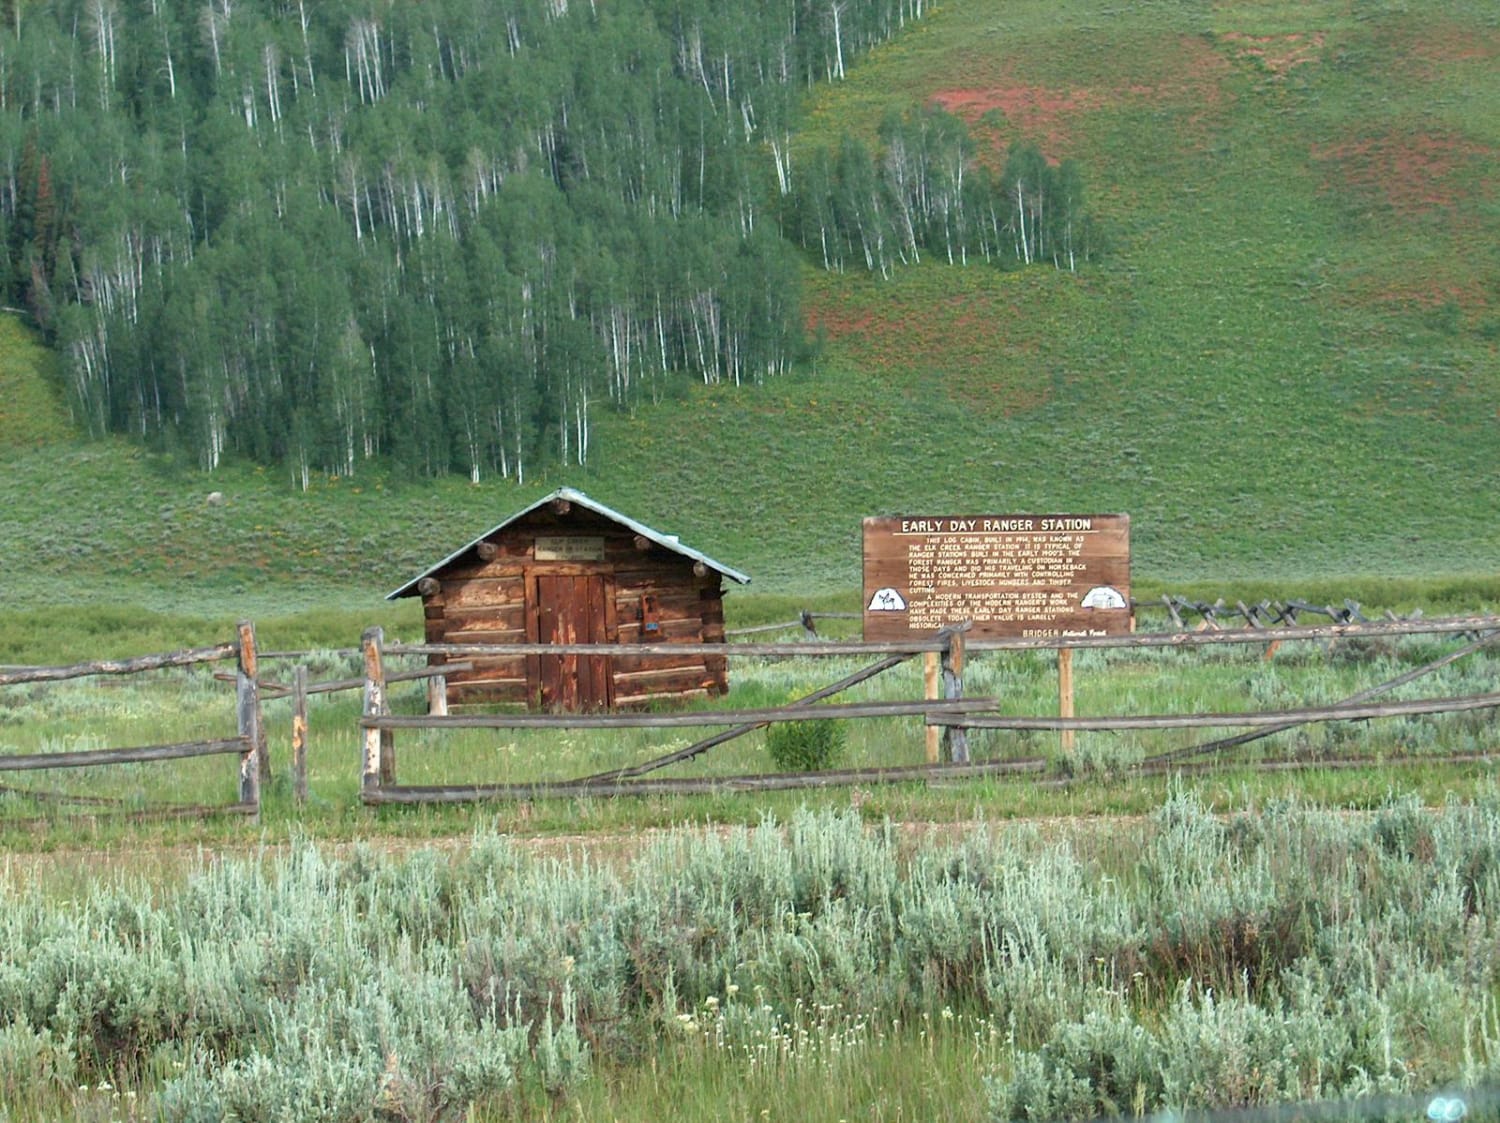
<point>836,322</point>
<point>975,346</point>
<point>1428,48</point>
<point>1409,173</point>
<point>1036,113</point>
<point>1185,72</point>
<point>1432,288</point>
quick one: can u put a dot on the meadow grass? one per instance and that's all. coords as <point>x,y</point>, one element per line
<point>32,414</point>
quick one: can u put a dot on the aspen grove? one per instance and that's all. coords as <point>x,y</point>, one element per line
<point>444,234</point>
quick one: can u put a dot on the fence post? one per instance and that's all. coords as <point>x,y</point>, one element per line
<point>437,696</point>
<point>955,737</point>
<point>376,705</point>
<point>247,709</point>
<point>299,734</point>
<point>1066,737</point>
<point>930,692</point>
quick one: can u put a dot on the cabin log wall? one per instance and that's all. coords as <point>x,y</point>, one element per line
<point>654,596</point>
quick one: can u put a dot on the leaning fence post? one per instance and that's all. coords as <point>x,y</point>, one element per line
<point>955,737</point>
<point>299,734</point>
<point>247,709</point>
<point>375,706</point>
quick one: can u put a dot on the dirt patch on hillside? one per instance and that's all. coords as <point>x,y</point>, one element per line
<point>1276,55</point>
<point>1422,293</point>
<point>1409,173</point>
<point>1184,72</point>
<point>1035,113</point>
<point>980,347</point>
<point>1428,49</point>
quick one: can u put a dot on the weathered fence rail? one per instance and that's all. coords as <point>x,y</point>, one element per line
<point>92,758</point>
<point>1299,716</point>
<point>13,676</point>
<point>944,709</point>
<point>1476,624</point>
<point>785,781</point>
<point>249,744</point>
<point>1211,614</point>
<point>677,720</point>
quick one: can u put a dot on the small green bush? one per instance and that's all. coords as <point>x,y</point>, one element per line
<point>807,746</point>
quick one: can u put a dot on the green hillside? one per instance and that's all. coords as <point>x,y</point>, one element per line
<point>31,411</point>
<point>1284,369</point>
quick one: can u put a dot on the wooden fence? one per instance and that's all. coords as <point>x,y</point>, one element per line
<point>944,709</point>
<point>947,713</point>
<point>249,742</point>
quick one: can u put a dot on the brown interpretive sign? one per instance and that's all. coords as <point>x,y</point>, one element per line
<point>1011,575</point>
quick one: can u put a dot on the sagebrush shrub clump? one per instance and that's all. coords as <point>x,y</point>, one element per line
<point>1192,961</point>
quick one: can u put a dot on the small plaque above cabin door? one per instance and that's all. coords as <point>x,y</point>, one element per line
<point>572,609</point>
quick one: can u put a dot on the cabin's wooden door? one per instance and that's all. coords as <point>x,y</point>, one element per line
<point>572,608</point>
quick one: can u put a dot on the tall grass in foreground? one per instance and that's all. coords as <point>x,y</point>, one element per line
<point>1188,961</point>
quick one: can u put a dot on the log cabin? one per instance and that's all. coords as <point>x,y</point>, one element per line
<point>568,569</point>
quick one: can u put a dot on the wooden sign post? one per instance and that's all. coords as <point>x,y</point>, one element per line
<point>1002,575</point>
<point>1065,695</point>
<point>1010,575</point>
<point>930,692</point>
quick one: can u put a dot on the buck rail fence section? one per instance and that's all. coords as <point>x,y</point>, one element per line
<point>945,708</point>
<point>299,690</point>
<point>248,744</point>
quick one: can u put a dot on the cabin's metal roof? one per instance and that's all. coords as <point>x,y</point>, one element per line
<point>666,541</point>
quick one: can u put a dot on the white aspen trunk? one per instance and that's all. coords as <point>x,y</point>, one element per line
<point>312,80</point>
<point>838,40</point>
<point>1037,237</point>
<point>211,30</point>
<point>359,232</point>
<point>1021,223</point>
<point>103,12</point>
<point>783,158</point>
<point>500,443</point>
<point>661,333</point>
<point>273,87</point>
